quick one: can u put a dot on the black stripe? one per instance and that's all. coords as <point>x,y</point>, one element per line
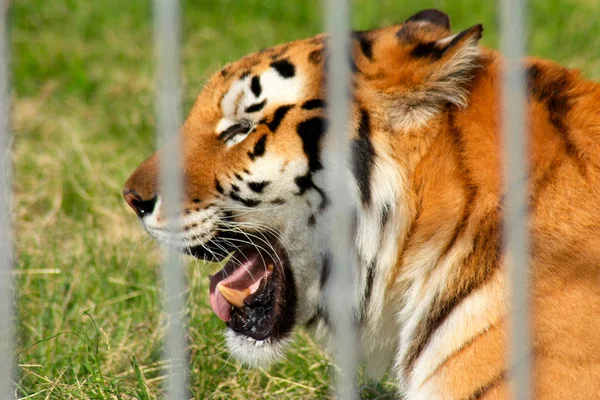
<point>258,187</point>
<point>314,103</point>
<point>385,215</point>
<point>278,116</point>
<point>551,88</point>
<point>405,35</point>
<point>311,131</point>
<point>539,185</point>
<point>470,189</point>
<point>368,288</point>
<point>324,199</point>
<point>255,85</point>
<point>279,52</point>
<point>232,131</point>
<point>363,157</point>
<point>365,44</point>
<point>256,107</point>
<point>428,50</point>
<point>244,201</point>
<point>259,148</point>
<point>324,316</point>
<point>485,253</point>
<point>353,67</point>
<point>219,187</point>
<point>325,270</point>
<point>305,182</point>
<point>481,391</point>
<point>314,319</point>
<point>225,72</point>
<point>284,68</point>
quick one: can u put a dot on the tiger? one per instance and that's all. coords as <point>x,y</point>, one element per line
<point>431,305</point>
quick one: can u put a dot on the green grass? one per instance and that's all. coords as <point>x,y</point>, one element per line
<point>88,291</point>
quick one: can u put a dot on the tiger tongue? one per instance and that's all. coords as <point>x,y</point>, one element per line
<point>239,278</point>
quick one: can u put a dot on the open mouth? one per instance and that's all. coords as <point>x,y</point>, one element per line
<point>254,292</point>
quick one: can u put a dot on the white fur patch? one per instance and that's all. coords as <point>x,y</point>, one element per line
<point>445,41</point>
<point>231,100</point>
<point>223,124</point>
<point>411,118</point>
<point>256,353</point>
<point>471,317</point>
<point>276,90</point>
<point>378,247</point>
<point>279,90</point>
<point>422,292</point>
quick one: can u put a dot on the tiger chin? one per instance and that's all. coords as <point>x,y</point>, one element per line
<point>431,282</point>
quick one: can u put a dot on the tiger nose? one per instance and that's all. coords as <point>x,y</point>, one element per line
<point>142,207</point>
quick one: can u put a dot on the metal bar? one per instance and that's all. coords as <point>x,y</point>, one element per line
<point>6,258</point>
<point>7,365</point>
<point>516,235</point>
<point>341,287</point>
<point>167,39</point>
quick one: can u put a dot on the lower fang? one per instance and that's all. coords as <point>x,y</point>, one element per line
<point>234,297</point>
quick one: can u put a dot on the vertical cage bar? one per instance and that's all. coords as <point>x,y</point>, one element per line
<point>516,235</point>
<point>6,251</point>
<point>341,286</point>
<point>167,38</point>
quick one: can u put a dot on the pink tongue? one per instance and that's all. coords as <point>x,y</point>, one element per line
<point>239,277</point>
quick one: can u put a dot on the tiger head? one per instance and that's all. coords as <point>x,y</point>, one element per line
<point>254,151</point>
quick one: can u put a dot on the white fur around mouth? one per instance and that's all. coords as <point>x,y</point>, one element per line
<point>258,343</point>
<point>256,353</point>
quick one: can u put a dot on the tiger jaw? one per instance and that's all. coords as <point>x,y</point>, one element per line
<point>254,294</point>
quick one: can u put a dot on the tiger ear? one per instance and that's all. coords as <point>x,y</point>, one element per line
<point>453,60</point>
<point>432,16</point>
<point>463,40</point>
<point>444,49</point>
<point>450,64</point>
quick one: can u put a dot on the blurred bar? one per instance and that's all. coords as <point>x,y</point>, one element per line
<point>167,36</point>
<point>516,235</point>
<point>340,288</point>
<point>6,251</point>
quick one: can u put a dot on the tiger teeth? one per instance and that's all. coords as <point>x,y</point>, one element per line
<point>233,296</point>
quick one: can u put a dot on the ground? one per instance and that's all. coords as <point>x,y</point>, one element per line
<point>88,291</point>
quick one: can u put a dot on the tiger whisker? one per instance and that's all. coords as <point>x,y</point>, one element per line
<point>271,251</point>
